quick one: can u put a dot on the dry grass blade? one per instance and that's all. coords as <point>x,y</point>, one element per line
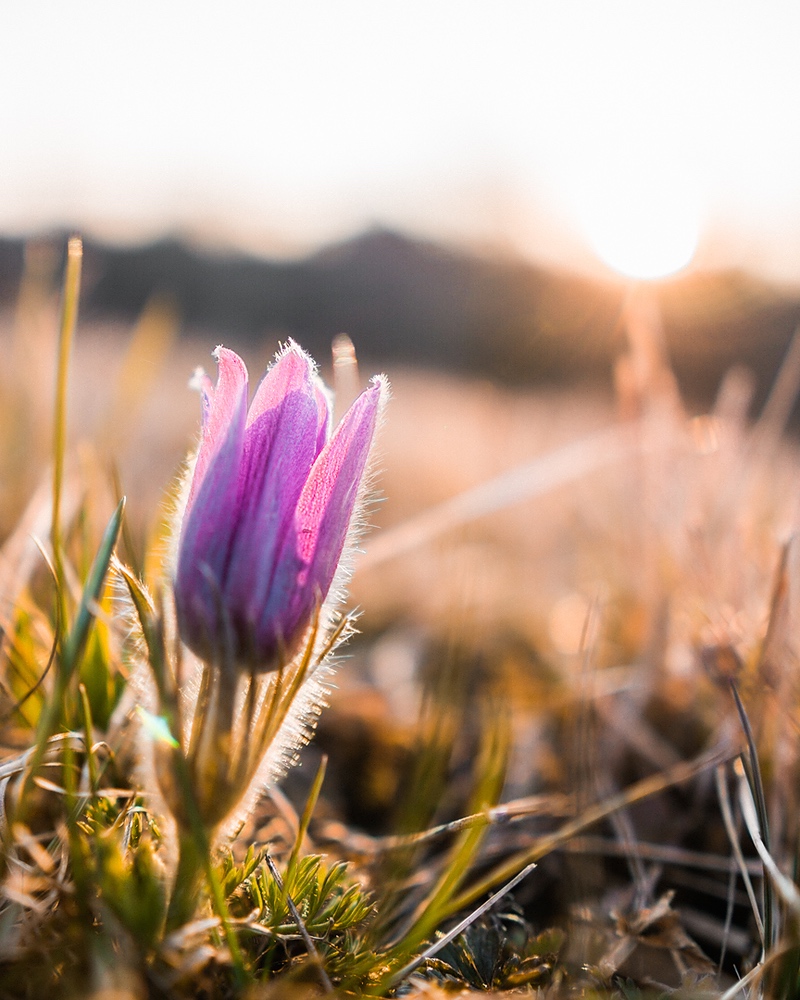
<point>509,812</point>
<point>593,814</point>
<point>69,318</point>
<point>730,829</point>
<point>661,853</point>
<point>788,890</point>
<point>398,977</point>
<point>17,765</point>
<point>752,768</point>
<point>752,977</point>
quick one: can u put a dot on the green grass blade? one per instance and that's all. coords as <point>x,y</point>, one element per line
<point>73,646</point>
<point>75,642</point>
<point>491,772</point>
<point>305,819</point>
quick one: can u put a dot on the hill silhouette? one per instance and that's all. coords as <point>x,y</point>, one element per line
<point>413,301</point>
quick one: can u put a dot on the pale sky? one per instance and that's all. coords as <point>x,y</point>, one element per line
<point>550,127</point>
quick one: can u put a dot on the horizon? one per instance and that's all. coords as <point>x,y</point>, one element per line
<point>214,246</point>
<point>531,129</point>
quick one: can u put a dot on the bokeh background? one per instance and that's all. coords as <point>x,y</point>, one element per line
<point>452,184</point>
<point>462,188</point>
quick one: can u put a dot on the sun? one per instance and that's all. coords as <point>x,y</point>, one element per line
<point>643,222</point>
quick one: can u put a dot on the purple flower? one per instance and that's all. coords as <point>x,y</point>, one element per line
<point>269,509</point>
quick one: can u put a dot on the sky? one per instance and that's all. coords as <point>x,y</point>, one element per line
<point>574,131</point>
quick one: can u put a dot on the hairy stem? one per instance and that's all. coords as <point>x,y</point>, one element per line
<point>189,878</point>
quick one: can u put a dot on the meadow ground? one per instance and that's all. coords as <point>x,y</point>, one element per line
<point>578,621</point>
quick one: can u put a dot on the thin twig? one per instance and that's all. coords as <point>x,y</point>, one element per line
<point>307,939</point>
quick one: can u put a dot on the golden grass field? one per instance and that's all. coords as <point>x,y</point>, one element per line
<point>594,580</point>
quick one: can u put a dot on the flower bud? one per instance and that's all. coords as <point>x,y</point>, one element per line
<point>270,505</point>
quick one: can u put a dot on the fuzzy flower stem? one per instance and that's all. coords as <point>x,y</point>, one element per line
<point>188,879</point>
<point>209,760</point>
<point>194,861</point>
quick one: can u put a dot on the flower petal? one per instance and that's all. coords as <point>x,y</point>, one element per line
<point>312,548</point>
<point>209,523</point>
<point>219,405</point>
<point>293,369</point>
<point>281,442</point>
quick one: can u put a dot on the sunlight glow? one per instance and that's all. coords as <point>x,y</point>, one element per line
<point>545,127</point>
<point>641,220</point>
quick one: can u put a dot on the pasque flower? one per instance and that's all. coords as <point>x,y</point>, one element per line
<point>269,509</point>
